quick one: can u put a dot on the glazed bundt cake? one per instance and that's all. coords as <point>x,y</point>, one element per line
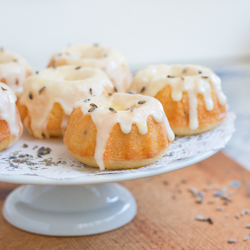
<point>109,60</point>
<point>118,131</point>
<point>191,96</point>
<point>49,97</point>
<point>13,70</point>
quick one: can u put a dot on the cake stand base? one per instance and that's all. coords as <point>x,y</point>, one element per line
<point>69,210</point>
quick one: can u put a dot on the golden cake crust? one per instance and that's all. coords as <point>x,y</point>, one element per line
<point>6,139</point>
<point>191,95</point>
<point>55,118</point>
<point>178,112</point>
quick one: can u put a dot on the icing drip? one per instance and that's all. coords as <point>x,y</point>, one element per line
<point>14,69</point>
<point>190,78</point>
<point>8,109</point>
<point>122,103</point>
<point>64,85</point>
<point>106,59</point>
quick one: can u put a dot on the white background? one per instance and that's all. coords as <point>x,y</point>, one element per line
<point>189,31</point>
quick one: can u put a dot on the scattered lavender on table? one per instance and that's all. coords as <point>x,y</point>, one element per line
<point>237,216</point>
<point>184,181</point>
<point>165,182</point>
<point>244,212</point>
<point>193,191</point>
<point>235,184</point>
<point>200,197</point>
<point>174,196</point>
<point>202,218</point>
<point>219,208</point>
<point>232,240</point>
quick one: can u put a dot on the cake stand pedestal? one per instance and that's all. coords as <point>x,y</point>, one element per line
<point>80,206</point>
<point>69,210</point>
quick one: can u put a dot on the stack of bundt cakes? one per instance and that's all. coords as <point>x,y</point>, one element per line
<point>76,97</point>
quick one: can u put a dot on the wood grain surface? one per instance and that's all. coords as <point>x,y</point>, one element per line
<point>166,214</point>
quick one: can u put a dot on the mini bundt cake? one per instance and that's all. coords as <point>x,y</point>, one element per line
<point>13,70</point>
<point>49,97</point>
<point>109,60</point>
<point>118,131</point>
<point>11,127</point>
<point>191,96</point>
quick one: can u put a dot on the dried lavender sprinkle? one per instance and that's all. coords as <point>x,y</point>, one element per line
<point>246,238</point>
<point>193,191</point>
<point>244,211</point>
<point>92,109</point>
<point>232,240</point>
<point>143,89</point>
<point>112,110</point>
<point>219,208</point>
<point>93,105</point>
<point>184,181</point>
<point>141,102</point>
<point>201,218</point>
<point>235,184</point>
<point>166,182</point>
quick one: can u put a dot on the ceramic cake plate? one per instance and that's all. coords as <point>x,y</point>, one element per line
<point>78,206</point>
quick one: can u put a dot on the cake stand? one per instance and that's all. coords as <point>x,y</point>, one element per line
<point>79,206</point>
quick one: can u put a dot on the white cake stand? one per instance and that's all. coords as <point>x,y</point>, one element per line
<point>79,206</point>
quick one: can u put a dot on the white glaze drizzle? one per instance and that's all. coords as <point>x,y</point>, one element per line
<point>64,85</point>
<point>13,68</point>
<point>105,120</point>
<point>191,78</point>
<point>109,60</point>
<point>8,109</point>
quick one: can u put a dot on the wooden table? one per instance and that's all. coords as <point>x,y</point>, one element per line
<point>166,214</point>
